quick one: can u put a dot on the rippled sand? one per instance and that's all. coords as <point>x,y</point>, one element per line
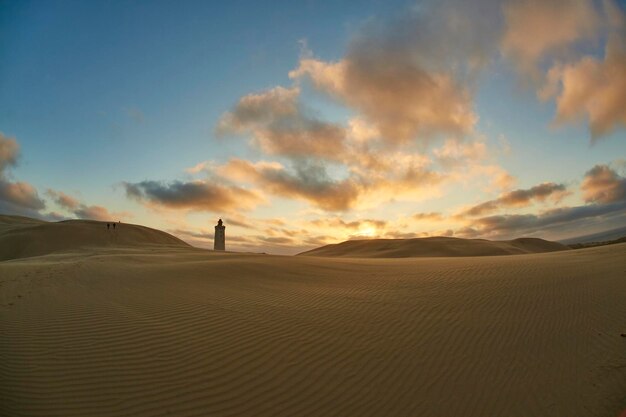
<point>185,332</point>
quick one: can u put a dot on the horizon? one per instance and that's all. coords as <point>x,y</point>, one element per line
<point>308,124</point>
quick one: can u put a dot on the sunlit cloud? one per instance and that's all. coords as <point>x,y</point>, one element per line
<point>583,87</point>
<point>593,89</point>
<point>83,211</point>
<point>16,197</point>
<point>280,126</point>
<point>537,28</point>
<point>308,181</point>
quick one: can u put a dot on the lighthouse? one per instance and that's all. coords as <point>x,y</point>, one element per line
<point>219,242</point>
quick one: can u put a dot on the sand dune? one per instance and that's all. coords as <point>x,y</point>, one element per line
<point>434,247</point>
<point>173,330</point>
<point>24,237</point>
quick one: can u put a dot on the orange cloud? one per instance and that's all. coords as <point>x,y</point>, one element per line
<point>536,28</point>
<point>15,197</point>
<point>84,211</point>
<point>411,78</point>
<point>279,126</point>
<point>402,101</point>
<point>432,216</point>
<point>592,88</point>
<point>410,179</point>
<point>63,200</point>
<point>9,152</point>
<point>309,182</point>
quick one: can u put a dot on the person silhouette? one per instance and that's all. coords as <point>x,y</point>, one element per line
<point>113,226</point>
<point>108,225</point>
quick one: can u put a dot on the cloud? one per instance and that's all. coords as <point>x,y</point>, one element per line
<point>192,233</point>
<point>537,28</point>
<point>603,185</point>
<point>193,195</point>
<point>520,198</point>
<point>603,189</point>
<point>454,153</point>
<point>16,197</point>
<point>20,195</point>
<point>135,114</point>
<point>592,88</point>
<point>84,211</point>
<point>63,200</point>
<point>97,213</point>
<point>309,182</point>
<point>355,225</point>
<point>389,78</point>
<point>280,126</point>
<point>260,108</point>
<point>9,152</point>
<point>238,222</point>
<point>276,240</point>
<point>515,225</point>
<point>408,79</point>
<point>584,87</point>
<point>427,216</point>
<point>411,77</point>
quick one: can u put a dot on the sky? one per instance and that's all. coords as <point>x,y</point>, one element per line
<point>308,123</point>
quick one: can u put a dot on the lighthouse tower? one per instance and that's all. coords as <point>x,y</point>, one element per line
<point>219,242</point>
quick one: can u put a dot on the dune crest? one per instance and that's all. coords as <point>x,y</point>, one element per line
<point>23,237</point>
<point>434,247</point>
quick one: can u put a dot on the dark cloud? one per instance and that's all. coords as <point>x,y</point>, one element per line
<point>520,198</point>
<point>240,223</point>
<point>193,195</point>
<point>566,217</point>
<point>603,185</point>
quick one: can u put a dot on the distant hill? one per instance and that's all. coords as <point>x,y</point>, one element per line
<point>593,244</point>
<point>22,237</point>
<point>605,236</point>
<point>434,247</point>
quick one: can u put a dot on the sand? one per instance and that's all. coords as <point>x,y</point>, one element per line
<point>434,247</point>
<point>24,237</point>
<point>173,330</point>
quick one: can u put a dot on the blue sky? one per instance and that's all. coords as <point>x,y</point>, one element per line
<point>103,96</point>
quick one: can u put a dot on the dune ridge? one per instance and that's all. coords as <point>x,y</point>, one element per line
<point>434,247</point>
<point>22,237</point>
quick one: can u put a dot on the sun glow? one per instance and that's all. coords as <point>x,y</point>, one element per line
<point>367,232</point>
